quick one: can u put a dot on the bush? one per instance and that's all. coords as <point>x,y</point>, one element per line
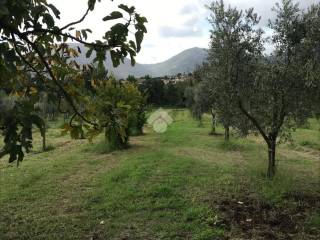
<point>121,111</point>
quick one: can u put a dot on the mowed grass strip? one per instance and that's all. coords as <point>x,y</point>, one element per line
<point>174,185</point>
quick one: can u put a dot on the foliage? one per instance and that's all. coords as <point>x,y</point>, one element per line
<point>311,55</point>
<point>16,120</point>
<point>276,93</point>
<point>198,96</point>
<point>137,102</point>
<point>35,55</point>
<point>235,44</point>
<point>131,79</point>
<point>279,98</point>
<point>154,90</point>
<point>120,109</point>
<point>166,91</point>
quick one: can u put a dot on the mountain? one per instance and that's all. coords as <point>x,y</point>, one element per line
<point>184,62</point>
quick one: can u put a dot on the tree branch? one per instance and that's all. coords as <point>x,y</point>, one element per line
<point>24,59</point>
<point>64,92</point>
<point>57,32</point>
<point>76,22</point>
<point>254,121</point>
<point>56,82</point>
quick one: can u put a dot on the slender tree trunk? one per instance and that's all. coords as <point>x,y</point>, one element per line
<point>44,140</point>
<point>271,140</point>
<point>44,144</point>
<point>272,159</point>
<point>213,127</point>
<point>226,133</point>
<point>200,123</point>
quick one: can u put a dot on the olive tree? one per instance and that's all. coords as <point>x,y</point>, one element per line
<point>234,47</point>
<point>277,97</point>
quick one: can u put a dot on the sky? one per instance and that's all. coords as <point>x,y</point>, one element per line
<point>173,25</point>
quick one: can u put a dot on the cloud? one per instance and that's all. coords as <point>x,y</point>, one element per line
<point>193,20</point>
<point>263,7</point>
<point>168,31</point>
<point>188,9</point>
<point>173,25</point>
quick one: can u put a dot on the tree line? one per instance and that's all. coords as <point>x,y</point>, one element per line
<point>165,91</point>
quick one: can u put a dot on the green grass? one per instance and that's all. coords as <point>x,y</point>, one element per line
<point>165,186</point>
<point>309,136</point>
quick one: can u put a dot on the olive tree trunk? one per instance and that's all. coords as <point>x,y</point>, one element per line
<point>44,142</point>
<point>213,126</point>
<point>44,139</point>
<point>272,159</point>
<point>226,133</point>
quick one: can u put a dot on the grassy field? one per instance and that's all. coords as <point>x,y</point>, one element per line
<point>182,184</point>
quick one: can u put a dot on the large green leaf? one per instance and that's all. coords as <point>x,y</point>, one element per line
<point>126,8</point>
<point>114,15</point>
<point>139,38</point>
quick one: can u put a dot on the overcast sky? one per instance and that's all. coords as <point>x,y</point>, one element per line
<point>173,25</point>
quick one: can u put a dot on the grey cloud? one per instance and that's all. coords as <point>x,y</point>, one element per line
<point>188,9</point>
<point>194,20</point>
<point>167,31</point>
<point>263,7</point>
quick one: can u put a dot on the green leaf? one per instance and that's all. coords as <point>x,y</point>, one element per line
<point>89,52</point>
<point>140,19</point>
<point>126,8</point>
<point>115,57</point>
<point>91,4</point>
<point>113,15</point>
<point>76,132</point>
<point>133,61</point>
<point>92,133</point>
<point>55,11</point>
<point>48,19</point>
<point>65,38</point>
<point>84,34</point>
<point>139,38</point>
<point>133,45</point>
<point>140,23</point>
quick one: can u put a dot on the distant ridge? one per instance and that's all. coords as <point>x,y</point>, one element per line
<point>184,62</point>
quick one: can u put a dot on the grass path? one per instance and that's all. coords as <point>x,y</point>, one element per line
<point>183,184</point>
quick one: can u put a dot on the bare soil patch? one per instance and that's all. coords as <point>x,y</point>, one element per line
<point>250,218</point>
